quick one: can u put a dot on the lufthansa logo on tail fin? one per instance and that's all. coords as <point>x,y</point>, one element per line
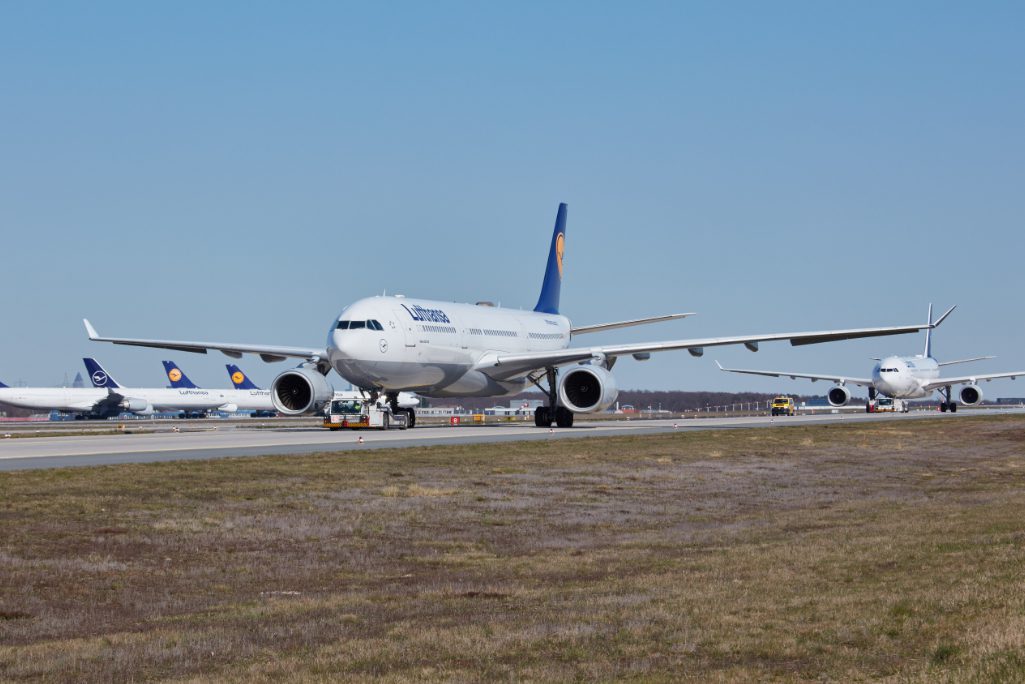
<point>237,377</point>
<point>560,249</point>
<point>99,377</point>
<point>174,374</point>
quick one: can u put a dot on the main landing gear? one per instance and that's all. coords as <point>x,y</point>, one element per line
<point>545,415</point>
<point>948,404</point>
<point>393,401</point>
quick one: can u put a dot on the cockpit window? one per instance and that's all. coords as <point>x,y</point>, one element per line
<point>359,325</point>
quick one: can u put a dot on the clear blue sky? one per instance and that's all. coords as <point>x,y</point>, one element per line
<point>240,171</point>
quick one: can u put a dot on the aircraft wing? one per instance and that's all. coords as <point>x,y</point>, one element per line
<point>840,379</point>
<point>504,366</point>
<point>598,327</point>
<point>267,353</point>
<point>969,379</point>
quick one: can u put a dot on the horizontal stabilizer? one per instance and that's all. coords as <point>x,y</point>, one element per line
<point>953,363</point>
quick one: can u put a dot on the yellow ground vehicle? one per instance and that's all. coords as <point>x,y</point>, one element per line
<point>783,406</point>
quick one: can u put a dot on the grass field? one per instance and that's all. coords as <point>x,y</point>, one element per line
<point>842,553</point>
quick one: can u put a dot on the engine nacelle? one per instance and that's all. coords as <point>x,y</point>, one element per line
<point>300,390</point>
<point>838,395</point>
<point>587,389</point>
<point>138,406</point>
<point>971,395</point>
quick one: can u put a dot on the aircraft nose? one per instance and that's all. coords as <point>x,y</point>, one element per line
<point>342,343</point>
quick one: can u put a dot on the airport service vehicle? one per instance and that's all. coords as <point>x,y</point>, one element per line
<point>783,406</point>
<point>903,377</point>
<point>886,405</point>
<point>390,344</point>
<point>359,413</point>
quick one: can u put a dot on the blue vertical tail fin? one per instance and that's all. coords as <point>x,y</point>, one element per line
<point>548,302</point>
<point>99,377</point>
<point>928,335</point>
<point>2,385</point>
<point>239,379</point>
<point>177,377</point>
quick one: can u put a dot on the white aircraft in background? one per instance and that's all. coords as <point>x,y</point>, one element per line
<point>148,400</point>
<point>109,399</point>
<point>90,403</point>
<point>903,377</point>
<point>249,397</point>
<point>386,345</point>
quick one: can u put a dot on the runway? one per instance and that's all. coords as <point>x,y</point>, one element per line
<point>231,440</point>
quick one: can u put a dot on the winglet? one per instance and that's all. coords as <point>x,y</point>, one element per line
<point>936,323</point>
<point>548,302</point>
<point>720,365</point>
<point>90,330</point>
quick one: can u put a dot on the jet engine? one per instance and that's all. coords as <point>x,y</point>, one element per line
<point>137,406</point>
<point>838,395</point>
<point>300,390</point>
<point>587,389</point>
<point>971,395</point>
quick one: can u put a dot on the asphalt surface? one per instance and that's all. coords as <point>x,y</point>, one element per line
<point>217,441</point>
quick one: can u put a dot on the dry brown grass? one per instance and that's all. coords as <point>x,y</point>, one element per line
<point>840,553</point>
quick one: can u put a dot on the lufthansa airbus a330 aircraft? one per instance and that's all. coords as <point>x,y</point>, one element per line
<point>903,377</point>
<point>385,345</point>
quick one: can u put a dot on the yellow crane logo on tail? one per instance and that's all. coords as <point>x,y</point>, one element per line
<point>560,249</point>
<point>237,377</point>
<point>174,374</point>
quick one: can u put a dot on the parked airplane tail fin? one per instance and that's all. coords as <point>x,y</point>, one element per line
<point>99,377</point>
<point>239,379</point>
<point>177,377</point>
<point>2,385</point>
<point>548,302</point>
<point>928,335</point>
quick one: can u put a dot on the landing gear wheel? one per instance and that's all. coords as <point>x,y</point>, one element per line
<point>953,407</point>
<point>410,418</point>
<point>542,417</point>
<point>563,417</point>
<point>868,407</point>
<point>943,407</point>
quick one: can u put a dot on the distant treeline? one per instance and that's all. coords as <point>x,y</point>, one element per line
<point>675,401</point>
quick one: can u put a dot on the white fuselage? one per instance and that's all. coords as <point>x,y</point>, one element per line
<point>246,400</point>
<point>137,400</point>
<point>903,377</point>
<point>432,348</point>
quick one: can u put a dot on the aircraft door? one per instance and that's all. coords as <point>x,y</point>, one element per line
<point>408,327</point>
